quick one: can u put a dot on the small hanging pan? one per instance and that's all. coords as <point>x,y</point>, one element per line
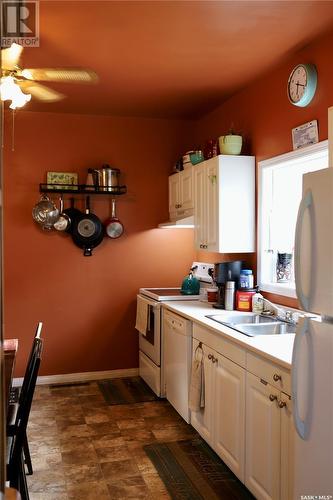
<point>63,222</point>
<point>72,213</point>
<point>87,231</point>
<point>113,226</point>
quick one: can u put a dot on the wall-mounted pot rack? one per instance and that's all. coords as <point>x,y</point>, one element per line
<point>81,189</point>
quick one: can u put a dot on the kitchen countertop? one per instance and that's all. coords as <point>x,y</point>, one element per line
<point>277,348</point>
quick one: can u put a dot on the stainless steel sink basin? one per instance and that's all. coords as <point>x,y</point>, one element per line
<point>236,319</point>
<point>276,328</point>
<point>253,324</point>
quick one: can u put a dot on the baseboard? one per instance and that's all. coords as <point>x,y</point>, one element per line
<point>80,377</point>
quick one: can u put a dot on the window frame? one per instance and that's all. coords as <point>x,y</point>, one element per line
<point>279,288</point>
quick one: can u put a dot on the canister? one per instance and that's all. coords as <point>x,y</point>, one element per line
<point>244,300</point>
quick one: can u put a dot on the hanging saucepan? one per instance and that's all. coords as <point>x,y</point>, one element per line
<point>113,226</point>
<point>64,222</point>
<point>72,213</point>
<point>45,212</point>
<point>87,231</point>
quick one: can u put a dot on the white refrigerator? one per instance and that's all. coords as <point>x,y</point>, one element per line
<point>312,366</point>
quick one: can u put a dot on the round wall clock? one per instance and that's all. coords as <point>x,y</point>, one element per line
<point>302,84</point>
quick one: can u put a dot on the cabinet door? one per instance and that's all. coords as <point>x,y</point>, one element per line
<point>177,355</point>
<point>287,448</point>
<point>262,455</point>
<point>199,207</point>
<point>229,415</point>
<point>174,194</point>
<point>202,420</point>
<point>186,189</point>
<point>212,214</point>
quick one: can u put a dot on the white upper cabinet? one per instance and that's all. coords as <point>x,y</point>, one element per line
<point>181,194</point>
<point>224,204</point>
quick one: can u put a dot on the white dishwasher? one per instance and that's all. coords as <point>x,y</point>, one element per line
<point>177,332</point>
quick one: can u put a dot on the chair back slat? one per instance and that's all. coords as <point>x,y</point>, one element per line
<point>28,367</point>
<point>39,330</point>
<point>25,405</point>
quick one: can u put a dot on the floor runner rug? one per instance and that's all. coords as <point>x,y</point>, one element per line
<point>120,391</point>
<point>191,470</point>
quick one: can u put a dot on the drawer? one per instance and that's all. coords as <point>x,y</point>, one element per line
<point>270,372</point>
<point>177,323</point>
<point>215,341</point>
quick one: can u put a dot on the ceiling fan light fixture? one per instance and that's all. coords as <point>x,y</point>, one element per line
<point>10,91</point>
<point>27,74</point>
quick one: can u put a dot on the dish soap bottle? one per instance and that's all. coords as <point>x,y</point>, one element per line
<point>257,302</point>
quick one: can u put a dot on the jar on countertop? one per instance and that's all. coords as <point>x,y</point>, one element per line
<point>246,280</point>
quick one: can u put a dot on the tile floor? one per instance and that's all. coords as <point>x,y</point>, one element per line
<point>84,449</point>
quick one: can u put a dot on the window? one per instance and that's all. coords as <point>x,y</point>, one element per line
<point>280,192</point>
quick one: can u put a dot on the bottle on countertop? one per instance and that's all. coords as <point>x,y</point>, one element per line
<point>257,302</point>
<point>229,300</point>
<point>246,279</point>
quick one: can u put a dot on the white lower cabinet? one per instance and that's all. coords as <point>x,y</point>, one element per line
<point>221,423</point>
<point>202,420</point>
<point>229,428</point>
<point>262,473</point>
<point>268,440</point>
<point>246,420</point>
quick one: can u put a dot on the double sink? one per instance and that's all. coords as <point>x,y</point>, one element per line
<point>254,324</point>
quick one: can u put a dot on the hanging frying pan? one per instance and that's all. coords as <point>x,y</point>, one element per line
<point>113,226</point>
<point>87,231</point>
<point>72,213</point>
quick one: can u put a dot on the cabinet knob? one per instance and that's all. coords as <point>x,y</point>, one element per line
<point>201,246</point>
<point>272,397</point>
<point>282,404</point>
<point>214,359</point>
<point>210,356</point>
<point>277,377</point>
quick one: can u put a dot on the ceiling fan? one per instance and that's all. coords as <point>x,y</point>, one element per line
<point>18,84</point>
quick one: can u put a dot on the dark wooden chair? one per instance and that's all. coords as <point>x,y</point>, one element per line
<point>15,461</point>
<point>14,409</point>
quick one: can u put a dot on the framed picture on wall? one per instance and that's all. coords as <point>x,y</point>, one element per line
<point>63,180</point>
<point>305,134</point>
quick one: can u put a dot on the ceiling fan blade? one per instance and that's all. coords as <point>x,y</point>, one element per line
<point>60,74</point>
<point>40,91</point>
<point>10,57</point>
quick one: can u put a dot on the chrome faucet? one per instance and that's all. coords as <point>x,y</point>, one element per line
<point>280,313</point>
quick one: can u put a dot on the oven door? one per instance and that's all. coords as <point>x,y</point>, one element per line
<point>150,344</point>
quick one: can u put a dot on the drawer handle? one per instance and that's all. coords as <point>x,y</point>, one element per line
<point>214,359</point>
<point>210,356</point>
<point>282,404</point>
<point>277,377</point>
<point>272,397</point>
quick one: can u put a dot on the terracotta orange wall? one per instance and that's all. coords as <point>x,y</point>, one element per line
<point>265,117</point>
<point>87,304</point>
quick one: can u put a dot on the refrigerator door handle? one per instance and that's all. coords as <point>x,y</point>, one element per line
<point>306,204</point>
<point>302,426</point>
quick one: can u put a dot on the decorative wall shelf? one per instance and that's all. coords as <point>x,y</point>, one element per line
<point>81,189</point>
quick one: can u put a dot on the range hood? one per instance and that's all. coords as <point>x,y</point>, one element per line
<point>187,222</point>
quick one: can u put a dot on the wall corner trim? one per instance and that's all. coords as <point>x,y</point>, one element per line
<point>80,377</point>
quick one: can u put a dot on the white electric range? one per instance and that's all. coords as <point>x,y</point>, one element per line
<point>149,300</point>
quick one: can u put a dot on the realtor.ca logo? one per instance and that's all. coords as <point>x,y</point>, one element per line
<point>19,23</point>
